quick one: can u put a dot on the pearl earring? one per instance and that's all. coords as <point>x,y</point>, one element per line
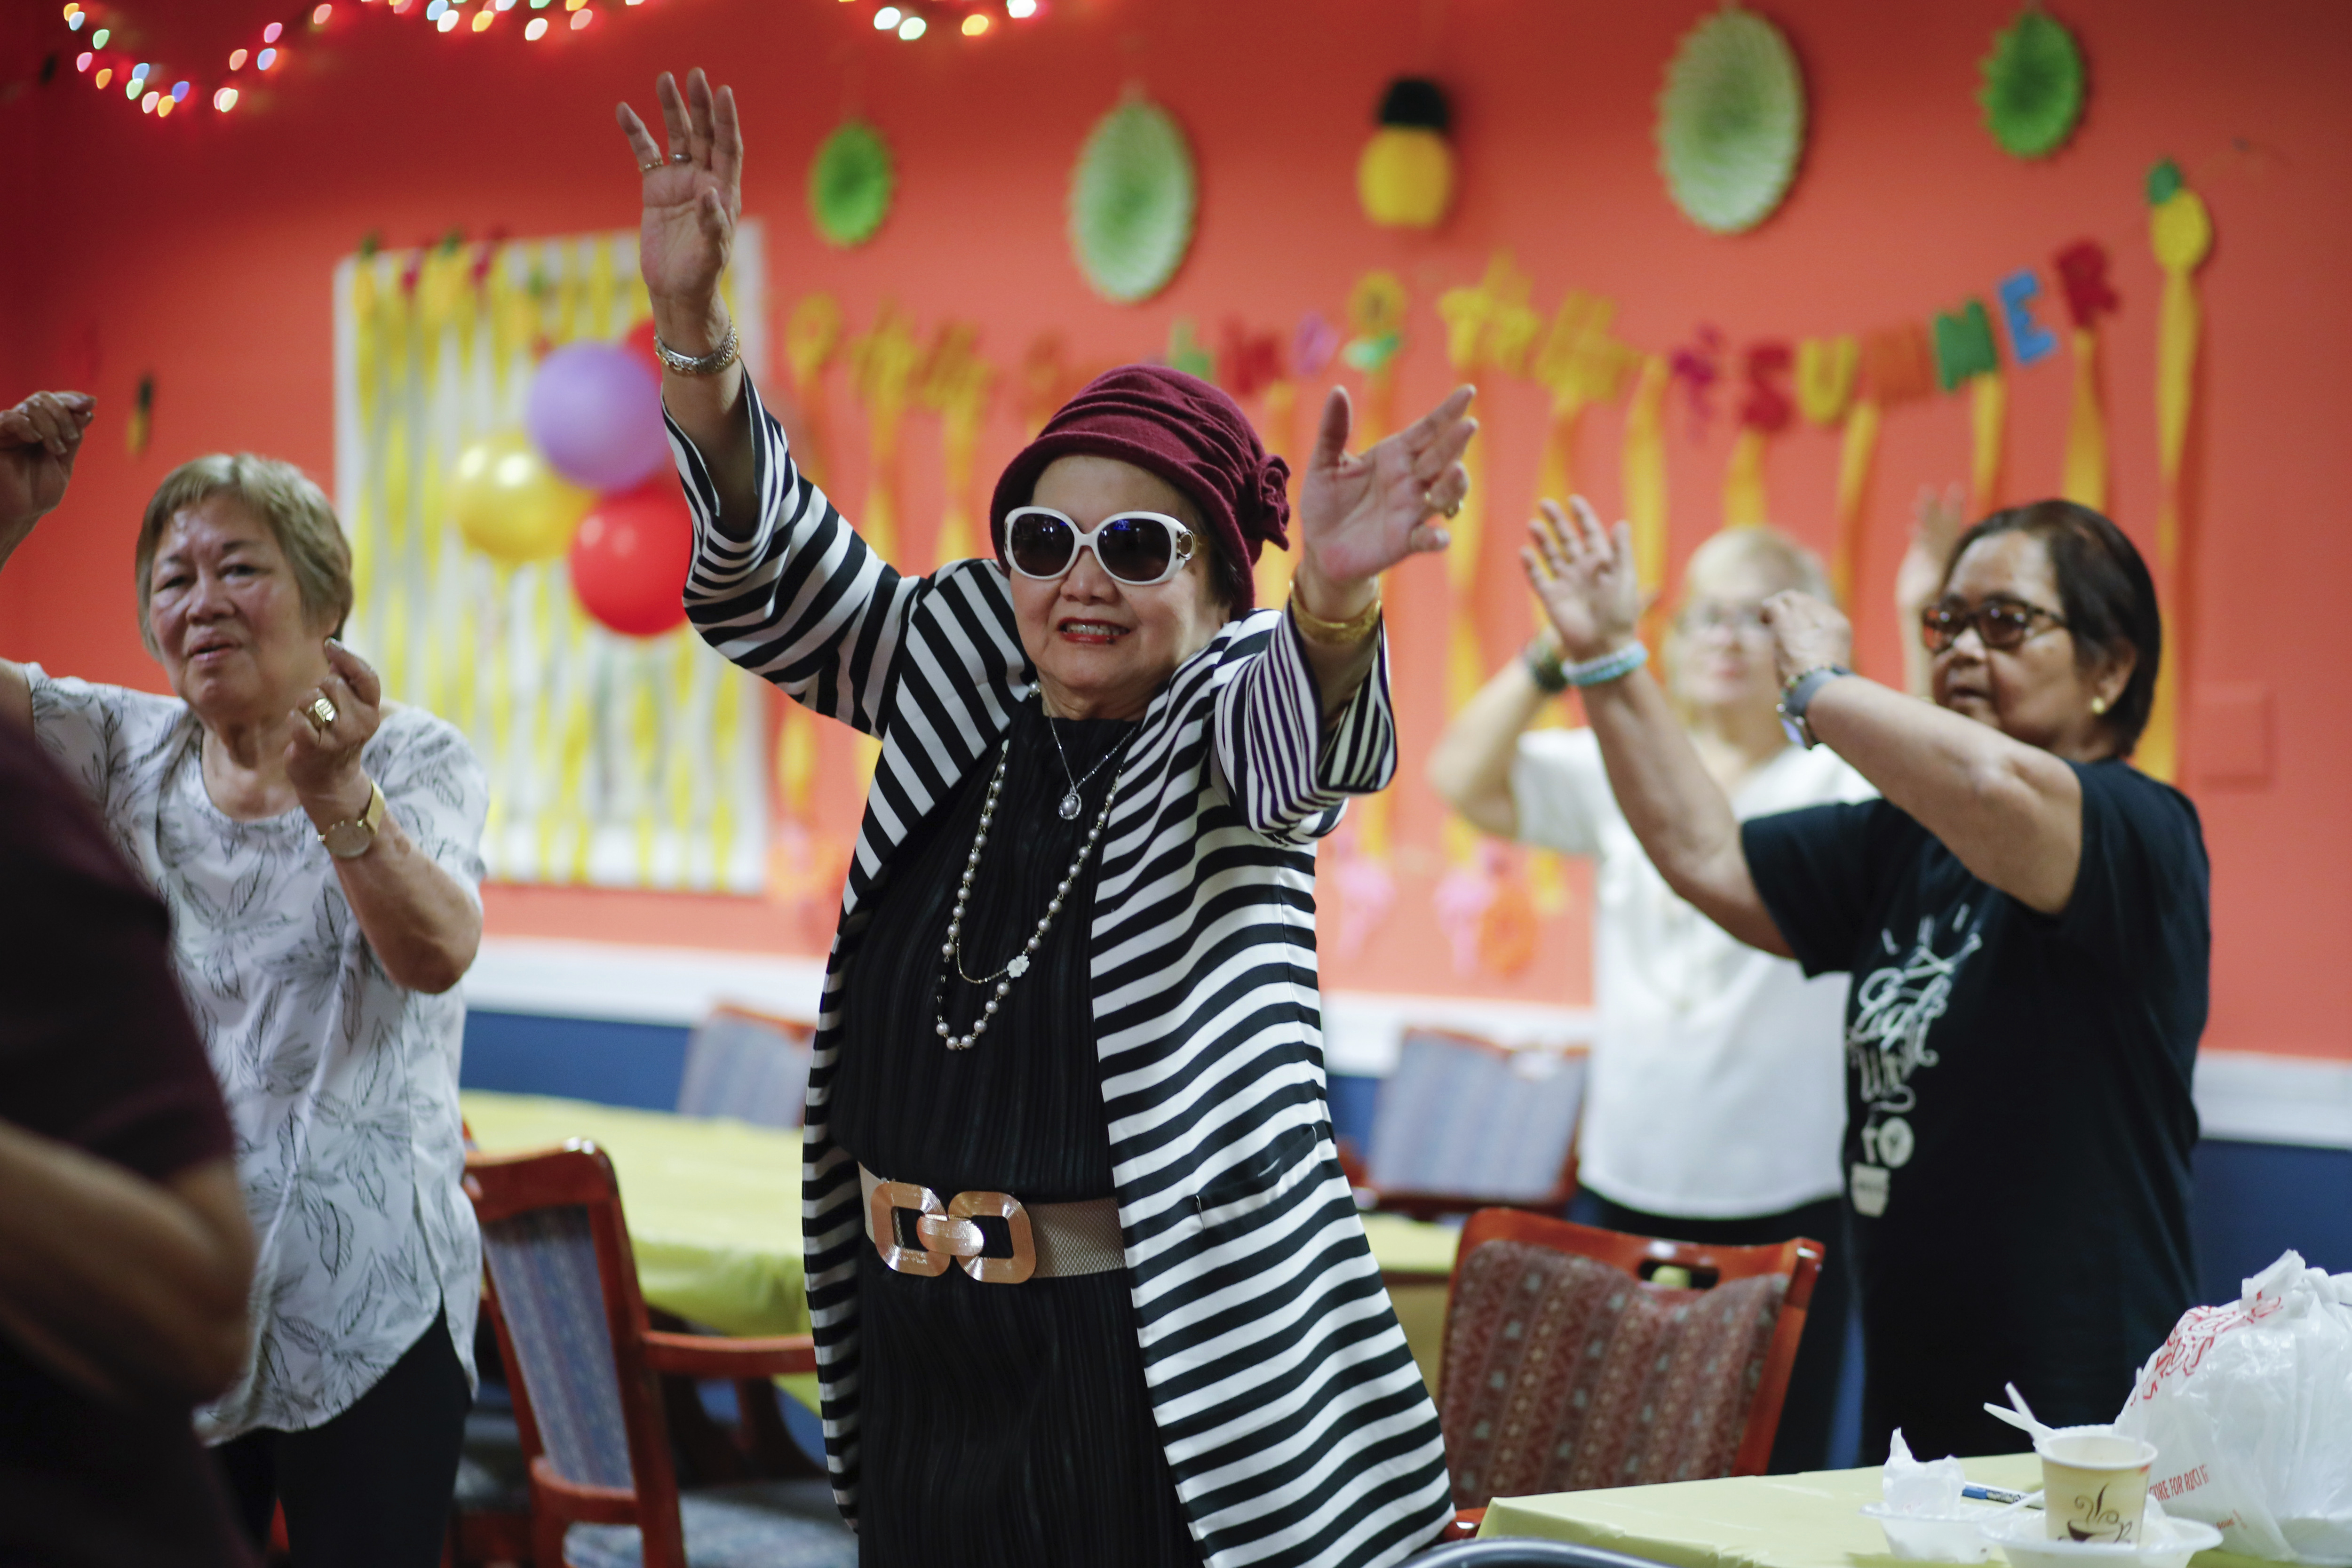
<point>2099,705</point>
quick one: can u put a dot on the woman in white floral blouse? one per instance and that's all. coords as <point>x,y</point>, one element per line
<point>319,850</point>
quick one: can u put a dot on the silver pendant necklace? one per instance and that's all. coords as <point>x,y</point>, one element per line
<point>951,951</point>
<point>1071,803</point>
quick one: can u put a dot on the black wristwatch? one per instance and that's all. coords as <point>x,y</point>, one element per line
<point>1798,693</point>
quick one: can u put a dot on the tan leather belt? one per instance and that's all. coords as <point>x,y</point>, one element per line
<point>1050,1241</point>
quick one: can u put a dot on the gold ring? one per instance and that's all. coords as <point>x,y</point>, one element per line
<point>653,168</point>
<point>321,713</point>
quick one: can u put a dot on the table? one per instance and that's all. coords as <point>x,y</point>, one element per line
<point>1749,1522</point>
<point>714,1212</point>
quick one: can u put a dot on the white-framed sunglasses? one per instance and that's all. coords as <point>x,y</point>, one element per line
<point>1136,548</point>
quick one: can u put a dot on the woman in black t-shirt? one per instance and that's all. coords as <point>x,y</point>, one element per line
<point>2024,916</point>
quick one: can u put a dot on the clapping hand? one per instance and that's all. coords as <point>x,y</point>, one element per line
<point>39,439</point>
<point>323,752</point>
<point>1360,514</point>
<point>1584,575</point>
<point>1807,633</point>
<point>1935,523</point>
<point>693,196</point>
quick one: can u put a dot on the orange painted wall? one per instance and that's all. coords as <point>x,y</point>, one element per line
<point>201,249</point>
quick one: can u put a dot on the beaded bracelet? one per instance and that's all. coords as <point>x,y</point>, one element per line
<point>1608,666</point>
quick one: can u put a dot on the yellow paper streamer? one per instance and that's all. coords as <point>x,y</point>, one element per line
<point>1643,473</point>
<point>883,362</point>
<point>2086,429</point>
<point>1827,369</point>
<point>812,338</point>
<point>955,384</point>
<point>1488,326</point>
<point>1743,505</point>
<point>1580,364</point>
<point>1988,413</point>
<point>1855,450</point>
<point>2182,234</point>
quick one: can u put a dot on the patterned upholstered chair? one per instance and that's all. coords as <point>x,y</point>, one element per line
<point>1463,1124</point>
<point>1578,1358</point>
<point>582,1366</point>
<point>750,1066</point>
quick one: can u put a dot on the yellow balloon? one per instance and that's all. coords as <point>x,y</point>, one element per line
<point>1406,177</point>
<point>510,505</point>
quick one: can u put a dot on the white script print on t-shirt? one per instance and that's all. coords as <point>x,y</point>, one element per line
<point>1886,1043</point>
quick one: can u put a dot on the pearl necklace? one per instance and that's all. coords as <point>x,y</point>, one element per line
<point>951,951</point>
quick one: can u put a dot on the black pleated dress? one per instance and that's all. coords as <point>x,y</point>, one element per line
<point>998,1424</point>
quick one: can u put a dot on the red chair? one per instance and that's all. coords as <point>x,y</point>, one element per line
<point>583,1362</point>
<point>1463,1124</point>
<point>1578,1358</point>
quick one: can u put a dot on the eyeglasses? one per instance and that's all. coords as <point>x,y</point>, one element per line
<point>1999,623</point>
<point>1136,548</point>
<point>1740,620</point>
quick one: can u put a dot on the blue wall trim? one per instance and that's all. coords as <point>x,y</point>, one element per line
<point>638,1065</point>
<point>2253,1201</point>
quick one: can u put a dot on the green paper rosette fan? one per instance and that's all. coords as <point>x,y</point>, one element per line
<point>1731,120</point>
<point>2033,79</point>
<point>1132,199</point>
<point>850,183</point>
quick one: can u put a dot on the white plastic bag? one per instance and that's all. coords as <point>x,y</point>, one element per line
<point>2249,1407</point>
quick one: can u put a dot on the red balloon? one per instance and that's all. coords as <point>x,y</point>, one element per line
<point>640,342</point>
<point>629,559</point>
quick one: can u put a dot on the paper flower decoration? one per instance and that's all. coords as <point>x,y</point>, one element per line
<point>1731,120</point>
<point>850,183</point>
<point>2032,92</point>
<point>1406,177</point>
<point>1132,199</point>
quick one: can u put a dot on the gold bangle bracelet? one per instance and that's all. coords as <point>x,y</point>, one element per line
<point>1336,634</point>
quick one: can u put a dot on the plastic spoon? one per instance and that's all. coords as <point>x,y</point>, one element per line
<point>2021,1417</point>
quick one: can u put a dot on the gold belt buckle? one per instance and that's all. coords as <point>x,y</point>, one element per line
<point>950,1234</point>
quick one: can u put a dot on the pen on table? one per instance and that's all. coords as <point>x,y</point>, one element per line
<point>1992,1494</point>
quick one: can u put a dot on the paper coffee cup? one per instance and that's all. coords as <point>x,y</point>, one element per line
<point>2094,1484</point>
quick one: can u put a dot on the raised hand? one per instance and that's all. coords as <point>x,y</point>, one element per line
<point>693,195</point>
<point>323,754</point>
<point>39,439</point>
<point>1584,575</point>
<point>1934,525</point>
<point>1359,515</point>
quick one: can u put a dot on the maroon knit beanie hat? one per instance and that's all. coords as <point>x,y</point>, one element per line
<point>1180,428</point>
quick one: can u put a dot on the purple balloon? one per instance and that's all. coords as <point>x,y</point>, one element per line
<point>594,413</point>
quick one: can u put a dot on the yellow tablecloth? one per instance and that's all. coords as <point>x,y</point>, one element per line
<point>714,1205</point>
<point>714,1211</point>
<point>1748,1521</point>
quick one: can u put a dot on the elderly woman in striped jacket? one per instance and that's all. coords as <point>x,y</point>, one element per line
<point>1088,1284</point>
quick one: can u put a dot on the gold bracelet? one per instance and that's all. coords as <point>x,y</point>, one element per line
<point>1336,634</point>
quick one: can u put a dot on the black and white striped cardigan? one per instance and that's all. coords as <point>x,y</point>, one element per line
<point>1294,1419</point>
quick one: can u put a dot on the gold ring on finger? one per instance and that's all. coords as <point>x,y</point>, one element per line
<point>654,167</point>
<point>321,713</point>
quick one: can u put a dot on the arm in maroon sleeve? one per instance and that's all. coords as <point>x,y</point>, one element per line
<point>125,1254</point>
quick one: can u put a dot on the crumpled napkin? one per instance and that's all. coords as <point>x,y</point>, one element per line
<point>1932,1489</point>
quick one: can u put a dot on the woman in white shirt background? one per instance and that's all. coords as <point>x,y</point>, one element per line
<point>1717,1094</point>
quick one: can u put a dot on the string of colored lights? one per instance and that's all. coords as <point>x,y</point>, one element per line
<point>144,80</point>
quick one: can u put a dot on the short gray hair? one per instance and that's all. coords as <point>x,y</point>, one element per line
<point>294,509</point>
<point>1783,560</point>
